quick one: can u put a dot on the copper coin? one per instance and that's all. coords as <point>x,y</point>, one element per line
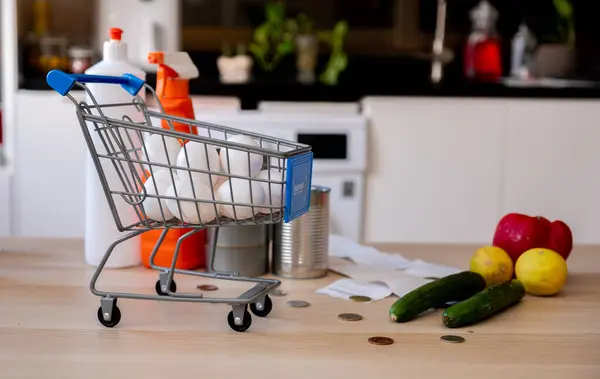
<point>381,341</point>
<point>207,287</point>
<point>360,299</point>
<point>350,317</point>
<point>452,339</point>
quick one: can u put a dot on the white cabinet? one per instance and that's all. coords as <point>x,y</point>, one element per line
<point>439,170</point>
<point>434,171</point>
<point>48,180</point>
<point>445,170</point>
<point>5,204</point>
<point>346,213</point>
<point>553,161</point>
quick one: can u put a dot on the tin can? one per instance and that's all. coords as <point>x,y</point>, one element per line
<point>242,249</point>
<point>301,247</point>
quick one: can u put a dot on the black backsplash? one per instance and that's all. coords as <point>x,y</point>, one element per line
<point>539,14</point>
<point>250,13</point>
<point>391,74</point>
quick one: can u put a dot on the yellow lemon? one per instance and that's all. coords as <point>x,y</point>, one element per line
<point>543,272</point>
<point>493,263</point>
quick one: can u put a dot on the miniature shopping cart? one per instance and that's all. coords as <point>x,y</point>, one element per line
<point>117,148</point>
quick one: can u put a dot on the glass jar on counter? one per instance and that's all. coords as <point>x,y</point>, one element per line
<point>80,59</point>
<point>53,54</point>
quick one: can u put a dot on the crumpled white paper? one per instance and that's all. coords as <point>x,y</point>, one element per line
<point>344,288</point>
<point>377,274</point>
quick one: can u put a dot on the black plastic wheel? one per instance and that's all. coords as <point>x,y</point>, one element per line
<point>159,290</point>
<point>116,317</point>
<point>240,328</point>
<point>267,307</point>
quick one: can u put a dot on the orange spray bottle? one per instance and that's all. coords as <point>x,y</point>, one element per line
<point>175,69</point>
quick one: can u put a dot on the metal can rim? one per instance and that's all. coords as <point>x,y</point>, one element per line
<point>321,189</point>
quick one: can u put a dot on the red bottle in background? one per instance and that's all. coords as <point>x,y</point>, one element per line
<point>482,57</point>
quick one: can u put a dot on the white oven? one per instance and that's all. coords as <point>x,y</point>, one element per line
<point>339,144</point>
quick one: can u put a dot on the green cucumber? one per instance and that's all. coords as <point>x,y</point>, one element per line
<point>484,304</point>
<point>455,287</point>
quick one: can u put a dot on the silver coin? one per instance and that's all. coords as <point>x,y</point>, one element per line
<point>278,293</point>
<point>350,317</point>
<point>452,339</point>
<point>298,303</point>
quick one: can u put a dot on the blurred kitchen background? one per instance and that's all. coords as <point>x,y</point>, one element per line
<point>429,119</point>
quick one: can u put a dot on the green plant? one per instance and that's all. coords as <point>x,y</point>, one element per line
<point>338,61</point>
<point>565,27</point>
<point>304,23</point>
<point>274,38</point>
<point>558,28</point>
<point>226,50</point>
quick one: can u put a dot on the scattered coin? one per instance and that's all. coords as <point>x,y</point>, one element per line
<point>350,317</point>
<point>381,341</point>
<point>452,339</point>
<point>207,287</point>
<point>278,293</point>
<point>298,303</point>
<point>360,299</point>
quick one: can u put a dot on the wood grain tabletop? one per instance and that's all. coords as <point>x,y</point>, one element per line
<point>49,329</point>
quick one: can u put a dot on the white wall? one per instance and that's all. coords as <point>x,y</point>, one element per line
<point>8,72</point>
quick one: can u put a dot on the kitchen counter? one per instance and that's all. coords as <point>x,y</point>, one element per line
<point>286,89</point>
<point>49,324</point>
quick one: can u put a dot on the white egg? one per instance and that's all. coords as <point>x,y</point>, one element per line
<point>158,152</point>
<point>217,183</point>
<point>195,189</point>
<point>275,198</point>
<point>239,192</point>
<point>161,181</point>
<point>238,159</point>
<point>197,159</point>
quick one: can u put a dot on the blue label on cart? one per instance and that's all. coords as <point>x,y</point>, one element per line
<point>297,186</point>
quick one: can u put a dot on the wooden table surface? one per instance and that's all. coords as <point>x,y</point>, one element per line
<point>49,329</point>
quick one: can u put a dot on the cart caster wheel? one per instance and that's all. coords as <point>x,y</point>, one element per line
<point>265,310</point>
<point>159,290</point>
<point>114,320</point>
<point>244,326</point>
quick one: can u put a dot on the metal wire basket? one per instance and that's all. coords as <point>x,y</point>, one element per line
<point>174,172</point>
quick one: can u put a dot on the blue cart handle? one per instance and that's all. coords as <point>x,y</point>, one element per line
<point>62,82</point>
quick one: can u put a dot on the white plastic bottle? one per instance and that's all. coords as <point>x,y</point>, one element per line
<point>100,228</point>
